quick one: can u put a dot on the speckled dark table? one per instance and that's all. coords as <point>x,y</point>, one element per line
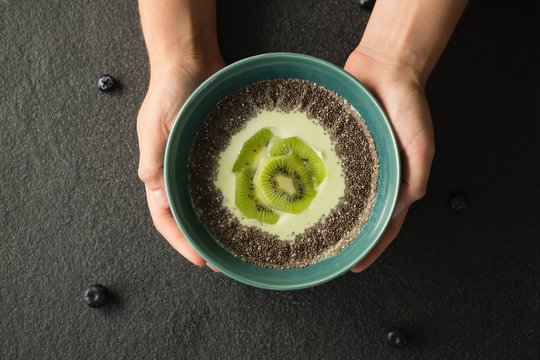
<point>72,211</point>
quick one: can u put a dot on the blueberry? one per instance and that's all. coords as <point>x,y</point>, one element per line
<point>96,296</point>
<point>105,83</point>
<point>367,4</point>
<point>396,338</point>
<point>459,201</point>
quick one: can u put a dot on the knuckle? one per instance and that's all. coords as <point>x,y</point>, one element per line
<point>419,193</point>
<point>145,174</point>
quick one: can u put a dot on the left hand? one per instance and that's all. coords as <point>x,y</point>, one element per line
<point>170,85</point>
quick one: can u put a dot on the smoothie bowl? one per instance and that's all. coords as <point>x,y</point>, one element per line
<point>282,171</point>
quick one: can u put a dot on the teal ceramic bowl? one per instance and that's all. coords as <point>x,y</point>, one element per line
<point>270,66</point>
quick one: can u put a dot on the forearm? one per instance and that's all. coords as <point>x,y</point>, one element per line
<point>409,35</point>
<point>179,30</point>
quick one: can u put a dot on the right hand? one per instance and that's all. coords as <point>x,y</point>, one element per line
<point>400,90</point>
<point>170,86</point>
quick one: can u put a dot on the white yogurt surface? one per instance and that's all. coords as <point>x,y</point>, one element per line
<point>285,125</point>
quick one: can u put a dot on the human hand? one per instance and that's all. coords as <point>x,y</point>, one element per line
<point>171,84</point>
<point>400,90</point>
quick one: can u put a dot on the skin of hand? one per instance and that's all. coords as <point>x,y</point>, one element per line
<point>402,96</point>
<point>168,90</point>
<point>181,41</point>
<point>393,60</point>
<point>400,46</point>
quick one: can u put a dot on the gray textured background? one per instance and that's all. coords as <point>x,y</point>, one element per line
<point>72,211</point>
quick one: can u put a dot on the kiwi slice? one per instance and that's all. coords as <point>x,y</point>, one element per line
<point>295,146</point>
<point>285,184</point>
<point>253,151</point>
<point>249,201</point>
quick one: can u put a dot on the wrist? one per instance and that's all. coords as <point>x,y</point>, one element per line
<point>179,31</point>
<point>183,53</point>
<point>377,69</point>
<point>394,54</point>
<point>181,60</point>
<point>185,69</point>
<point>409,36</point>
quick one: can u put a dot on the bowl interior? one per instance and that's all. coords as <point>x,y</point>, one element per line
<point>270,66</point>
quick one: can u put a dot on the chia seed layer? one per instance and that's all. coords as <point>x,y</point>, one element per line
<point>353,145</point>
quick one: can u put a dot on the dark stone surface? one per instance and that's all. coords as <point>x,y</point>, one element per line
<point>72,211</point>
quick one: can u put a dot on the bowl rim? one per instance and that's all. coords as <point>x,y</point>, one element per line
<point>394,149</point>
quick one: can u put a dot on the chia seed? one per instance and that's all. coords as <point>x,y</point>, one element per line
<point>354,147</point>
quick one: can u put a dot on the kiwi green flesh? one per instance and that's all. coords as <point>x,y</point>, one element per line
<point>253,151</point>
<point>249,202</point>
<point>295,146</point>
<point>285,184</point>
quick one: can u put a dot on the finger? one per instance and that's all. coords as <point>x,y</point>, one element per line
<point>389,235</point>
<point>214,269</point>
<point>165,224</point>
<point>152,137</point>
<point>416,167</point>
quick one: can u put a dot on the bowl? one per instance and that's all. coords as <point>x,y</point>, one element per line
<point>270,66</point>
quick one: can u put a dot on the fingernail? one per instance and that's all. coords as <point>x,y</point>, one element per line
<point>161,198</point>
<point>398,210</point>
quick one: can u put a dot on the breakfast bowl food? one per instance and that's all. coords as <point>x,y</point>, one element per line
<point>282,171</point>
